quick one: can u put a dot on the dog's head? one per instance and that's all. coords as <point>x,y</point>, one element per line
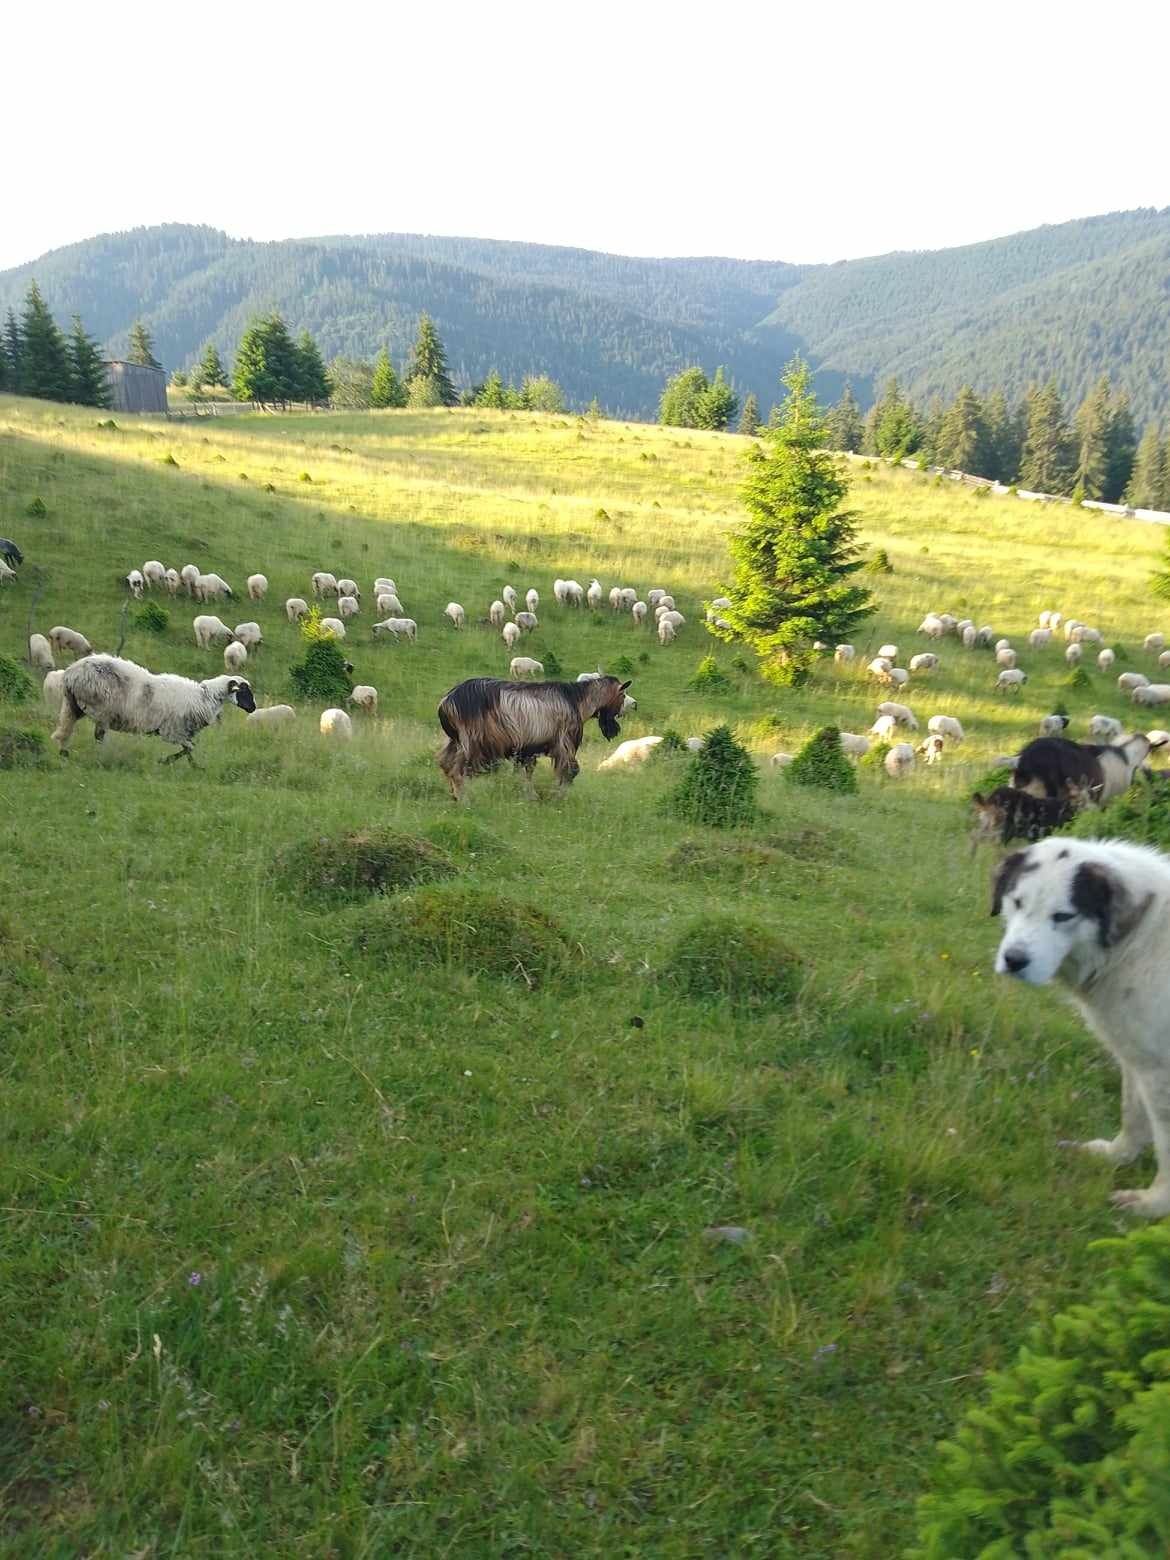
<point>1056,898</point>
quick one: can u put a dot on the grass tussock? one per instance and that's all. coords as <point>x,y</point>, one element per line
<point>474,928</point>
<point>354,866</point>
<point>736,960</point>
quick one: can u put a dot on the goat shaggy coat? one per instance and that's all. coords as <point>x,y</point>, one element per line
<point>488,721</point>
<point>119,695</point>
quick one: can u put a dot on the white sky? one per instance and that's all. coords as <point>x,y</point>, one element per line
<point>762,129</point>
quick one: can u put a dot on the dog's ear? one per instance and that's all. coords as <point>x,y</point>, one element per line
<point>1101,894</point>
<point>1007,876</point>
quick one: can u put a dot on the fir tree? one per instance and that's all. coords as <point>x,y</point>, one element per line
<point>352,382</point>
<point>13,351</point>
<point>593,411</point>
<point>1092,432</point>
<point>681,401</point>
<point>962,436</point>
<point>429,362</point>
<point>141,349</point>
<point>895,428</point>
<point>44,361</point>
<point>491,392</point>
<point>4,375</point>
<point>1122,448</point>
<point>1001,446</point>
<point>87,369</point>
<point>797,552</point>
<point>1147,487</point>
<point>1048,458</point>
<point>267,367</point>
<point>210,370</point>
<point>311,378</point>
<point>718,404</point>
<point>423,393</point>
<point>386,389</point>
<point>749,418</point>
<point>542,394</point>
<point>844,427</point>
<point>931,433</point>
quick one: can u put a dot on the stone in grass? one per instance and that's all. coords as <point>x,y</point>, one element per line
<point>822,764</point>
<point>486,933</point>
<point>740,961</point>
<point>342,867</point>
<point>728,1234</point>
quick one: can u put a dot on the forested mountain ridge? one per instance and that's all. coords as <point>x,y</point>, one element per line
<point>1068,302</point>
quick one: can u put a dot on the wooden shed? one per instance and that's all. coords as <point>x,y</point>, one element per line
<point>136,388</point>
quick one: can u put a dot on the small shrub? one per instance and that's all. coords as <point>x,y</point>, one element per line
<point>741,664</point>
<point>270,487</point>
<point>458,924</point>
<point>740,961</point>
<point>644,658</point>
<point>1078,679</point>
<point>152,618</point>
<point>875,758</point>
<point>36,509</point>
<point>793,671</point>
<point>21,749</point>
<point>822,764</point>
<point>322,674</point>
<point>1068,1454</point>
<point>623,667</point>
<point>991,781</point>
<point>15,684</point>
<point>719,788</point>
<point>600,514</point>
<point>1142,815</point>
<point>552,664</point>
<point>1120,653</point>
<point>1061,708</point>
<point>304,477</point>
<point>353,866</point>
<point>880,563</point>
<point>709,677</point>
<point>670,746</point>
<point>169,460</point>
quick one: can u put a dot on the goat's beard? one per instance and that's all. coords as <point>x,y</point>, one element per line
<point>607,720</point>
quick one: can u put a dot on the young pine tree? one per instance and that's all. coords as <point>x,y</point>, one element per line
<point>491,393</point>
<point>895,427</point>
<point>13,351</point>
<point>44,360</point>
<point>87,369</point>
<point>718,404</point>
<point>386,389</point>
<point>749,418</point>
<point>1049,454</point>
<point>844,427</point>
<point>680,403</point>
<point>539,393</point>
<point>267,367</point>
<point>962,436</point>
<point>141,349</point>
<point>210,370</point>
<point>312,379</point>
<point>428,362</point>
<point>796,555</point>
<point>1122,448</point>
<point>4,374</point>
<point>1147,487</point>
<point>1001,454</point>
<point>1092,435</point>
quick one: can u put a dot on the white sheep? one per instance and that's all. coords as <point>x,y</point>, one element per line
<point>1053,725</point>
<point>324,584</point>
<point>674,618</point>
<point>843,654</point>
<point>636,750</point>
<point>901,713</point>
<point>1005,657</point>
<point>154,573</point>
<point>880,667</point>
<point>1103,728</point>
<point>527,621</point>
<point>899,676</point>
<point>333,627</point>
<point>257,587</point>
<point>348,607</point>
<point>365,697</point>
<point>945,726</point>
<point>189,575</point>
<point>1073,653</point>
<point>695,744</point>
<point>888,653</point>
<point>932,748</point>
<point>574,594</point>
<point>1158,739</point>
<point>1002,644</point>
<point>1152,693</point>
<point>984,637</point>
<point>235,657</point>
<point>532,599</point>
<point>455,614</point>
<point>1128,681</point>
<point>559,593</point>
<point>497,612</point>
<point>525,666</point>
<point>932,626</point>
<point>296,608</point>
<point>119,695</point>
<point>271,715</point>
<point>654,596</point>
<point>65,639</point>
<point>511,600</point>
<point>665,602</point>
<point>665,632</point>
<point>349,588</point>
<point>1011,679</point>
<point>615,597</point>
<point>212,587</point>
<point>1105,659</point>
<point>173,580</point>
<point>854,746</point>
<point>970,638</point>
<point>781,760</point>
<point>899,760</point>
<point>388,604</point>
<point>135,583</point>
<point>1164,658</point>
<point>1154,642</point>
<point>1091,636</point>
<point>208,629</point>
<point>249,634</point>
<point>336,724</point>
<point>1072,630</point>
<point>883,728</point>
<point>926,662</point>
<point>721,603</point>
<point>1040,638</point>
<point>963,625</point>
<point>1055,619</point>
<point>51,690</point>
<point>40,653</point>
<point>639,611</point>
<point>384,582</point>
<point>510,634</point>
<point>1045,620</point>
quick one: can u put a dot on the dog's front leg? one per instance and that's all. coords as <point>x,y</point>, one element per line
<point>1135,1133</point>
<point>1154,1201</point>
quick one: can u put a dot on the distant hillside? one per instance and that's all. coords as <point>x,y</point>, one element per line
<point>1067,301</point>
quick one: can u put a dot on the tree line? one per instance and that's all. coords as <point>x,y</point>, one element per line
<point>38,359</point>
<point>1034,444</point>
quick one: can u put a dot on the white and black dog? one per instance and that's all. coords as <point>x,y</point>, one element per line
<point>1095,914</point>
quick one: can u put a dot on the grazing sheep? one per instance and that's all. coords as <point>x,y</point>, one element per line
<point>1002,644</point>
<point>615,597</point>
<point>854,746</point>
<point>695,744</point>
<point>1010,680</point>
<point>208,629</point>
<point>172,580</point>
<point>1072,630</point>
<point>888,653</point>
<point>388,604</point>
<point>963,625</point>
<point>636,750</point>
<point>1103,728</point>
<point>1091,636</point>
<point>336,724</point>
<point>235,657</point>
<point>497,612</point>
<point>932,626</point>
<point>675,619</point>
<point>1158,739</point>
<point>654,596</point>
<point>526,621</point>
<point>1128,681</point>
<point>525,666</point>
<point>189,575</point>
<point>985,637</point>
<point>65,639</point>
<point>249,634</point>
<point>665,632</point>
<point>154,573</point>
<point>1045,620</point>
<point>1039,638</point>
<point>574,594</point>
<point>639,611</point>
<point>880,668</point>
<point>1152,693</point>
<point>257,587</point>
<point>1164,658</point>
<point>945,726</point>
<point>1053,725</point>
<point>10,552</point>
<point>510,634</point>
<point>722,603</point>
<point>455,614</point>
<point>212,587</point>
<point>899,676</point>
<point>532,599</point>
<point>901,713</point>
<point>721,622</point>
<point>51,690</point>
<point>559,593</point>
<point>6,574</point>
<point>296,608</point>
<point>349,588</point>
<point>324,584</point>
<point>384,582</point>
<point>781,760</point>
<point>135,583</point>
<point>932,748</point>
<point>40,653</point>
<point>843,654</point>
<point>970,638</point>
<point>899,760</point>
<point>334,627</point>
<point>1073,653</point>
<point>1105,659</point>
<point>665,603</point>
<point>883,728</point>
<point>365,697</point>
<point>1005,657</point>
<point>271,715</point>
<point>1154,642</point>
<point>119,695</point>
<point>511,600</point>
<point>926,662</point>
<point>629,596</point>
<point>1055,619</point>
<point>348,606</point>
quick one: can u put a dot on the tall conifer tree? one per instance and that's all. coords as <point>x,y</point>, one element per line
<point>141,349</point>
<point>1122,448</point>
<point>210,370</point>
<point>1147,488</point>
<point>844,427</point>
<point>87,368</point>
<point>1092,435</point>
<point>428,362</point>
<point>962,436</point>
<point>749,418</point>
<point>44,361</point>
<point>1049,454</point>
<point>311,377</point>
<point>13,351</point>
<point>386,389</point>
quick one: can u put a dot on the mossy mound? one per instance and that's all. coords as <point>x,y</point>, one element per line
<point>456,924</point>
<point>352,866</point>
<point>726,861</point>
<point>740,961</point>
<point>462,836</point>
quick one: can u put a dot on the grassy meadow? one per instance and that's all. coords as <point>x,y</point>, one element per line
<point>312,1252</point>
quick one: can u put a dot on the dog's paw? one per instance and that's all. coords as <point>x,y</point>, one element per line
<point>1103,1148</point>
<point>1149,1204</point>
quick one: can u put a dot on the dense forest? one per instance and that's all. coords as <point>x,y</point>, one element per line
<point>1064,303</point>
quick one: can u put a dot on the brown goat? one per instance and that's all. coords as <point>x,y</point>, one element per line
<point>488,721</point>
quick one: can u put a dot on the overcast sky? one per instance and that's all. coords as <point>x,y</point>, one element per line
<point>777,131</point>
